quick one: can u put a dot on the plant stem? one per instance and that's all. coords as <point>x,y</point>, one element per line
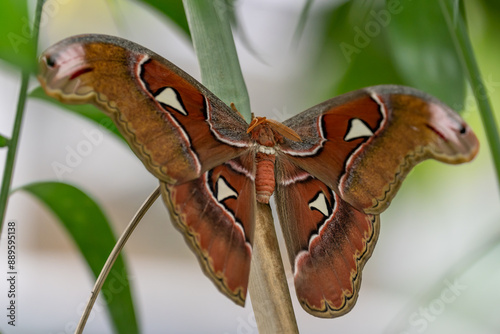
<point>16,130</point>
<point>458,29</point>
<point>268,286</point>
<point>12,147</point>
<point>113,256</point>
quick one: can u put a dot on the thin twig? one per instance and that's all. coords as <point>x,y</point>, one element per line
<point>113,256</point>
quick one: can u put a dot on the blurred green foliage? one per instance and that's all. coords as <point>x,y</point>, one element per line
<point>366,43</point>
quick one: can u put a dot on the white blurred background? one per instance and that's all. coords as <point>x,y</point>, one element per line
<point>441,215</point>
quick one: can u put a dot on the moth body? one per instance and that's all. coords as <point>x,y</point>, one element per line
<point>264,176</point>
<point>265,135</point>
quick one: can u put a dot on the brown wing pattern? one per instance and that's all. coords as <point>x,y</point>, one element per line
<point>354,152</point>
<point>216,215</point>
<point>171,121</point>
<point>363,144</point>
<point>328,241</point>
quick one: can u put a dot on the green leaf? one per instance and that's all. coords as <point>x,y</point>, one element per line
<point>213,41</point>
<point>174,10</point>
<point>88,111</point>
<point>90,229</point>
<point>3,141</point>
<point>17,45</point>
<point>423,51</point>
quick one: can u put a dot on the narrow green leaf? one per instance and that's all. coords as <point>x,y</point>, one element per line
<point>87,225</point>
<point>17,45</point>
<point>3,141</point>
<point>216,52</point>
<point>460,35</point>
<point>422,49</point>
<point>87,111</point>
<point>174,10</point>
<point>227,7</point>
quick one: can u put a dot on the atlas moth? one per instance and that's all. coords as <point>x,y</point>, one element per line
<point>333,168</point>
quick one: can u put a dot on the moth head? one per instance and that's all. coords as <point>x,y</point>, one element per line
<point>270,131</point>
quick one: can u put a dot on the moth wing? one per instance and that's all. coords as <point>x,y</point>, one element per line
<point>216,214</point>
<point>363,144</point>
<point>176,126</point>
<point>328,241</point>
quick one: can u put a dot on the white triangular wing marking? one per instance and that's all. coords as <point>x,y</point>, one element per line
<point>320,204</point>
<point>169,97</point>
<point>224,190</point>
<point>357,129</point>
